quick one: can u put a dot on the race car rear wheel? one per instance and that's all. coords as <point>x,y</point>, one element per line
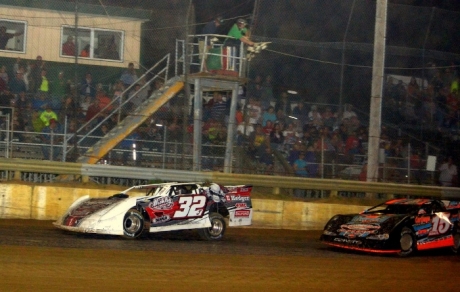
<point>217,229</point>
<point>407,242</point>
<point>133,224</point>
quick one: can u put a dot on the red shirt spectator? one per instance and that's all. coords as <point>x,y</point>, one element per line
<point>68,48</point>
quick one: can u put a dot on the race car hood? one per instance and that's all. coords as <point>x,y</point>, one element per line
<point>363,225</point>
<point>87,207</point>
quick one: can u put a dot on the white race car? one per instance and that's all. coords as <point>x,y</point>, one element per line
<point>165,207</point>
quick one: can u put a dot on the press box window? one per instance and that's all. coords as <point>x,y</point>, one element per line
<point>92,43</point>
<point>12,35</point>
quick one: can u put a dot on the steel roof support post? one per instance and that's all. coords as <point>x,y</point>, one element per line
<point>197,118</point>
<point>231,130</point>
<point>376,93</point>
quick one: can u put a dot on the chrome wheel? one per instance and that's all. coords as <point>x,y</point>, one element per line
<point>406,242</point>
<point>133,224</point>
<point>216,228</point>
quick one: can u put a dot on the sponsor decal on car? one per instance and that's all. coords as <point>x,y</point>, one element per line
<point>241,205</point>
<point>162,203</point>
<point>161,219</point>
<point>348,241</point>
<point>239,198</point>
<point>242,213</point>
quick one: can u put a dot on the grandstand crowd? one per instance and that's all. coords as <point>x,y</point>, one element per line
<point>267,121</point>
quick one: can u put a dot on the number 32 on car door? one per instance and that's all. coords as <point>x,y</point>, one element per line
<point>190,206</point>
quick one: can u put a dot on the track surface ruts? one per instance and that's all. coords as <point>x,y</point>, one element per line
<point>34,256</point>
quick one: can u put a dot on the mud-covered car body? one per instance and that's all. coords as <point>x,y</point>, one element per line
<point>400,226</point>
<point>165,207</point>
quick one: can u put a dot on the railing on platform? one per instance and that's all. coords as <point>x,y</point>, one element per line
<point>210,53</point>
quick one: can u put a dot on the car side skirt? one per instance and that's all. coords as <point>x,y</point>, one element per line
<point>438,243</point>
<point>380,251</point>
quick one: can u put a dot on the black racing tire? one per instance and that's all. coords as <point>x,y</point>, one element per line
<point>456,238</point>
<point>217,229</point>
<point>133,224</point>
<point>407,242</point>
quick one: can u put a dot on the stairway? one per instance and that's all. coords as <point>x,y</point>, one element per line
<point>132,121</point>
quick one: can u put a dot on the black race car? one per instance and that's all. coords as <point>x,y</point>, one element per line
<point>399,226</point>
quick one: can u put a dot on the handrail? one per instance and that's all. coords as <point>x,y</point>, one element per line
<point>164,69</point>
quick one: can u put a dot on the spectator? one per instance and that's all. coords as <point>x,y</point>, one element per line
<point>217,108</point>
<point>238,32</point>
<point>51,138</point>
<point>258,141</point>
<point>314,117</point>
<point>352,145</point>
<point>47,115</point>
<point>301,113</point>
<point>210,28</point>
<point>363,173</point>
<point>289,136</point>
<point>61,87</point>
<point>269,127</point>
<point>88,87</point>
<point>37,123</point>
<point>85,53</point>
<point>268,115</point>
<point>137,96</point>
<point>68,48</point>
<point>254,111</point>
<point>312,164</point>
<point>17,84</point>
<point>5,37</point>
<point>93,110</point>
<point>130,145</point>
<point>267,160</point>
<point>448,176</point>
<point>68,108</point>
<point>129,76</point>
<point>329,118</point>
<point>276,137</point>
<point>44,85</point>
<point>22,101</point>
<point>283,104</point>
<point>4,74</point>
<point>255,88</point>
<point>300,165</point>
<point>104,101</point>
<point>348,112</point>
<point>36,74</point>
<point>40,103</point>
<point>267,93</point>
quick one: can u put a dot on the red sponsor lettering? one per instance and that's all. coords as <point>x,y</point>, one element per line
<point>242,213</point>
<point>422,220</point>
<point>240,205</point>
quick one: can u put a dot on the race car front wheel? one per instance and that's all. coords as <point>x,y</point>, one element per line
<point>217,229</point>
<point>133,224</point>
<point>407,242</point>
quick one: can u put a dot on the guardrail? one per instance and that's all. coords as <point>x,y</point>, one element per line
<point>83,172</point>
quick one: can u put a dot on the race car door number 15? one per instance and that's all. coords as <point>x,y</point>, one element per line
<point>190,206</point>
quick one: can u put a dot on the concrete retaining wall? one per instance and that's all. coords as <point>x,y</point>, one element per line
<point>19,201</point>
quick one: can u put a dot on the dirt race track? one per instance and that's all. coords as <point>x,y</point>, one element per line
<point>34,256</point>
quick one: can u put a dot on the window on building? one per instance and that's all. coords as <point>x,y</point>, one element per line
<point>92,43</point>
<point>12,35</point>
